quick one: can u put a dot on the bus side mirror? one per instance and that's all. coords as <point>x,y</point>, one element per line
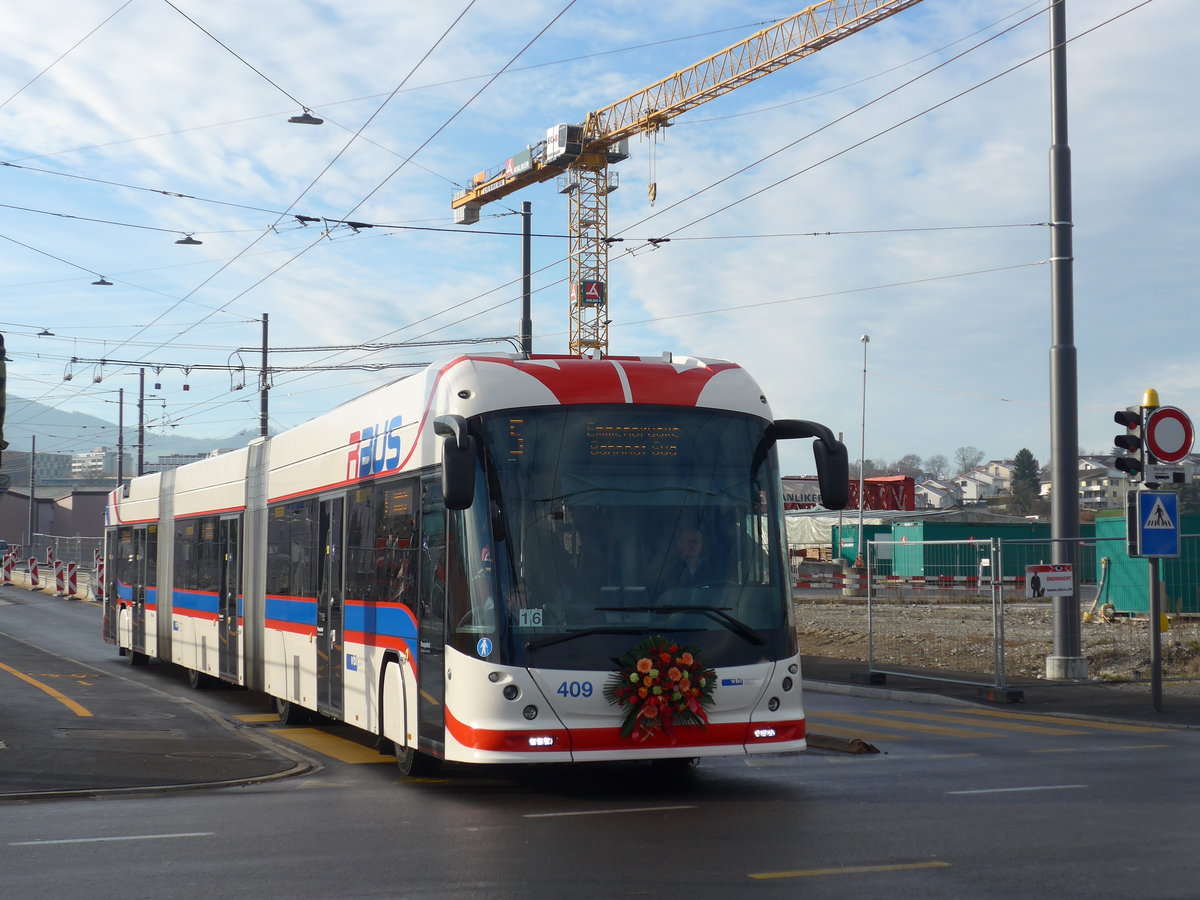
<point>833,465</point>
<point>458,461</point>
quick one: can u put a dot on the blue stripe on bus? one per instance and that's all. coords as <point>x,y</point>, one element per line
<point>388,620</point>
<point>292,610</point>
<point>202,604</point>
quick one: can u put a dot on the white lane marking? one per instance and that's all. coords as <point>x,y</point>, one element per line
<point>604,812</point>
<point>126,837</point>
<point>1014,790</point>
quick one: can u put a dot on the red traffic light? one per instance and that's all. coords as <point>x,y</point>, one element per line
<point>1130,418</point>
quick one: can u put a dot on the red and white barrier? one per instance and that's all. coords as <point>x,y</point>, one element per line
<point>72,579</point>
<point>98,583</point>
<point>33,573</point>
<point>10,560</point>
<point>60,579</point>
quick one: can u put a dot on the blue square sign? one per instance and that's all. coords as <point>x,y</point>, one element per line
<point>1158,523</point>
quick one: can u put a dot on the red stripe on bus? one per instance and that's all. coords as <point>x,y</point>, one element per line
<point>585,740</point>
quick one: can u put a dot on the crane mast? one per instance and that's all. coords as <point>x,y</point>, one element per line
<point>580,154</point>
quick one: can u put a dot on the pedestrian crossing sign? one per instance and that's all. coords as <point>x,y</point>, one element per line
<point>1158,523</point>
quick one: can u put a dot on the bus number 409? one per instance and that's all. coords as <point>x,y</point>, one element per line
<point>575,689</point>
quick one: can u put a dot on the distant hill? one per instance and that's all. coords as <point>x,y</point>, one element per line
<point>60,431</point>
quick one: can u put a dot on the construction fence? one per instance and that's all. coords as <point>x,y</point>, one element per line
<point>57,564</point>
<point>981,612</point>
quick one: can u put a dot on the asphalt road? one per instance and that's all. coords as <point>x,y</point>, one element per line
<point>960,802</point>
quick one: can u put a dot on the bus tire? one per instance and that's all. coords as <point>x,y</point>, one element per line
<point>197,680</point>
<point>291,713</point>
<point>413,762</point>
<point>137,659</point>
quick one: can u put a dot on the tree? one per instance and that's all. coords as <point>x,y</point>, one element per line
<point>1189,498</point>
<point>967,458</point>
<point>936,466</point>
<point>868,469</point>
<point>907,465</point>
<point>1025,487</point>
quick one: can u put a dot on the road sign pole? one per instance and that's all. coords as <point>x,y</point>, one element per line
<point>1155,638</point>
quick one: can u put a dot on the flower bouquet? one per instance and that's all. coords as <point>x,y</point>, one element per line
<point>661,684</point>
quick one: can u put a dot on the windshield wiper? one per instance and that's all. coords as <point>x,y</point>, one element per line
<point>719,615</point>
<point>571,635</point>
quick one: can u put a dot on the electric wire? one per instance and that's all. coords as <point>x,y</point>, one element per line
<point>64,54</point>
<point>896,125</point>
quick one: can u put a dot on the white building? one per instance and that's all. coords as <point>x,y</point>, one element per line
<point>95,464</point>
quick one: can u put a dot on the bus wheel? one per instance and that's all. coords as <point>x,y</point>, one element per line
<point>413,762</point>
<point>290,713</point>
<point>135,658</point>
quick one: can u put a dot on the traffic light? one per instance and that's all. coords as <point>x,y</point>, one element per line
<point>1133,463</point>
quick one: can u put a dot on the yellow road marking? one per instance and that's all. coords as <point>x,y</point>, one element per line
<point>255,718</point>
<point>331,745</point>
<point>1008,724</point>
<point>911,726</point>
<point>1060,720</point>
<point>850,870</point>
<point>77,708</point>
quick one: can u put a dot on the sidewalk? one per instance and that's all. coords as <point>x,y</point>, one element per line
<point>1095,700</point>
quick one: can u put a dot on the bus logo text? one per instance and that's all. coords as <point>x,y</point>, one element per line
<point>374,449</point>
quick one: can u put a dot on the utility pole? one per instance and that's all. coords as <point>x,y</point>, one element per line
<point>262,384</point>
<point>526,277</point>
<point>141,460</point>
<point>120,437</point>
<point>32,489</point>
<point>1067,663</point>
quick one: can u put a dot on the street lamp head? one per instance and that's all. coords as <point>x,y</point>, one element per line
<point>866,339</point>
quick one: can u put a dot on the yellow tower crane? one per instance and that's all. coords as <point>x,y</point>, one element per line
<point>580,154</point>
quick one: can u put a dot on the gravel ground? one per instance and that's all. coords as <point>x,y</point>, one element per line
<point>959,637</point>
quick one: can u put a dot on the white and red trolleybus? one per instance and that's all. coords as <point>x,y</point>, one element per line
<point>456,561</point>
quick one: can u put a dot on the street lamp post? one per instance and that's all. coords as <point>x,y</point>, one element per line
<point>862,452</point>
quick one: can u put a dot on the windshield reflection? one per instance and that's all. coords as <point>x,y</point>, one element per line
<point>594,526</point>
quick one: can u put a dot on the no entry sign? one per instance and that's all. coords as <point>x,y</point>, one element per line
<point>1169,434</point>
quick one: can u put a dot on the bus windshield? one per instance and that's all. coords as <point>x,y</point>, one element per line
<point>597,526</point>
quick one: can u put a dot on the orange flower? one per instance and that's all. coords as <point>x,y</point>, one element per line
<point>674,674</point>
<point>665,658</point>
<point>685,685</point>
<point>686,659</point>
<point>644,665</point>
<point>642,692</point>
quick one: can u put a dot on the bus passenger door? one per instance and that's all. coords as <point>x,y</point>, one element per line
<point>330,585</point>
<point>228,593</point>
<point>431,616</point>
<point>139,576</point>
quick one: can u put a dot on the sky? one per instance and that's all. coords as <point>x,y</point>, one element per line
<point>894,184</point>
